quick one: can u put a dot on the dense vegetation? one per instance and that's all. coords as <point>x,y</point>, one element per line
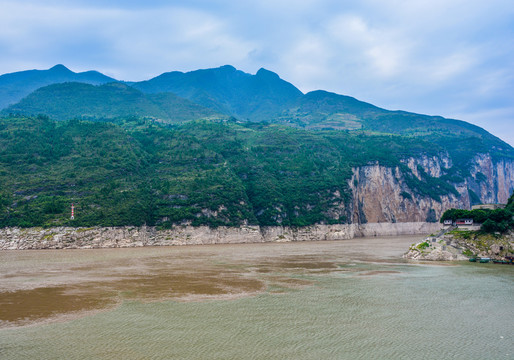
<point>73,100</point>
<point>215,173</point>
<point>262,153</point>
<point>498,220</point>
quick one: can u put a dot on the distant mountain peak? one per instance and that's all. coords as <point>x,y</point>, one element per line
<point>225,89</point>
<point>15,86</point>
<point>229,68</point>
<point>60,68</point>
<point>263,73</point>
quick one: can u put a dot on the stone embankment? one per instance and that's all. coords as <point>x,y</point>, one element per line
<point>460,245</point>
<point>118,237</point>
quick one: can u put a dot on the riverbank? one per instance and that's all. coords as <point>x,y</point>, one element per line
<point>461,245</point>
<point>122,237</point>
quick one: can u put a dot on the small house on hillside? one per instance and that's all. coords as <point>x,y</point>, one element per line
<point>464,222</point>
<point>448,222</point>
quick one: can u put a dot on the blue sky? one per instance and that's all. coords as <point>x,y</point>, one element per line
<point>453,58</point>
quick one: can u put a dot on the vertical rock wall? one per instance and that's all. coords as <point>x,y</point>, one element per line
<point>381,194</point>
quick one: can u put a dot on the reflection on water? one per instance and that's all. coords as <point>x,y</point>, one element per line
<point>336,300</point>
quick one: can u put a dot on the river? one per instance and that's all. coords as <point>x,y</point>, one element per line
<point>352,299</point>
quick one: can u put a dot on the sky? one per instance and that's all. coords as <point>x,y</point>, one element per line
<point>453,58</point>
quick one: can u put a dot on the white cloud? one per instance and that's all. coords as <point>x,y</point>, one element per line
<point>137,42</point>
<point>377,50</point>
<point>433,56</point>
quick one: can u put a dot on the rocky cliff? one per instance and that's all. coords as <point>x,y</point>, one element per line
<point>232,173</point>
<point>383,194</point>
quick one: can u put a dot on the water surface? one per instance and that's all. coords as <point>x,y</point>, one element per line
<point>354,299</point>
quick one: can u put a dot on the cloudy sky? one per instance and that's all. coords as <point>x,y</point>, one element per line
<point>453,58</point>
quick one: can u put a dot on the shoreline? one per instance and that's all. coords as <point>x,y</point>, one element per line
<point>461,245</point>
<point>131,236</point>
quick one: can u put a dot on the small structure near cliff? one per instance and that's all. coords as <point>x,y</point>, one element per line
<point>464,222</point>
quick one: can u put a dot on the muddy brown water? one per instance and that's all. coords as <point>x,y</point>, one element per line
<point>37,285</point>
<point>353,299</point>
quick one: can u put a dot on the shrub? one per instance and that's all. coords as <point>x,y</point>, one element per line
<point>423,245</point>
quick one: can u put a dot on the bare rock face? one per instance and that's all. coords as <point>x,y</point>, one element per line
<point>434,249</point>
<point>120,237</point>
<point>497,179</point>
<point>435,166</point>
<point>381,193</point>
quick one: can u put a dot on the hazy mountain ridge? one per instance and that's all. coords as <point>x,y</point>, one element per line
<point>260,97</point>
<point>15,86</point>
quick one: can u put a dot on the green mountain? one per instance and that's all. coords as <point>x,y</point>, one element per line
<point>259,97</point>
<point>227,173</point>
<point>109,101</point>
<point>264,154</point>
<point>15,86</point>
<point>266,97</point>
<point>202,172</point>
<point>176,97</point>
<point>324,110</point>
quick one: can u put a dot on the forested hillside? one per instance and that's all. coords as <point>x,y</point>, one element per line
<point>223,147</point>
<point>215,173</point>
<point>75,100</point>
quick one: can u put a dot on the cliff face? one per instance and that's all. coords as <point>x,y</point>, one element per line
<point>383,194</point>
<point>492,181</point>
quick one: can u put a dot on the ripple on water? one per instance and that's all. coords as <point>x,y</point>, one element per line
<point>338,309</point>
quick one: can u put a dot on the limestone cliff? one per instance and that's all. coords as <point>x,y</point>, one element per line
<point>382,194</point>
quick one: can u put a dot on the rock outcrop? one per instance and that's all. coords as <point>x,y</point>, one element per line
<point>459,245</point>
<point>434,249</point>
<point>110,237</point>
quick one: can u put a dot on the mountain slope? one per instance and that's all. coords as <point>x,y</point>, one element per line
<point>322,110</point>
<point>113,100</point>
<point>225,173</point>
<point>15,86</point>
<point>314,158</point>
<point>258,97</point>
<point>266,97</point>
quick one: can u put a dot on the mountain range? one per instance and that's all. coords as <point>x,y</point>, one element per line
<point>223,147</point>
<point>222,92</point>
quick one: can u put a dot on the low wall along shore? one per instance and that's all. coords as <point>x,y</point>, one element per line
<point>117,237</point>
